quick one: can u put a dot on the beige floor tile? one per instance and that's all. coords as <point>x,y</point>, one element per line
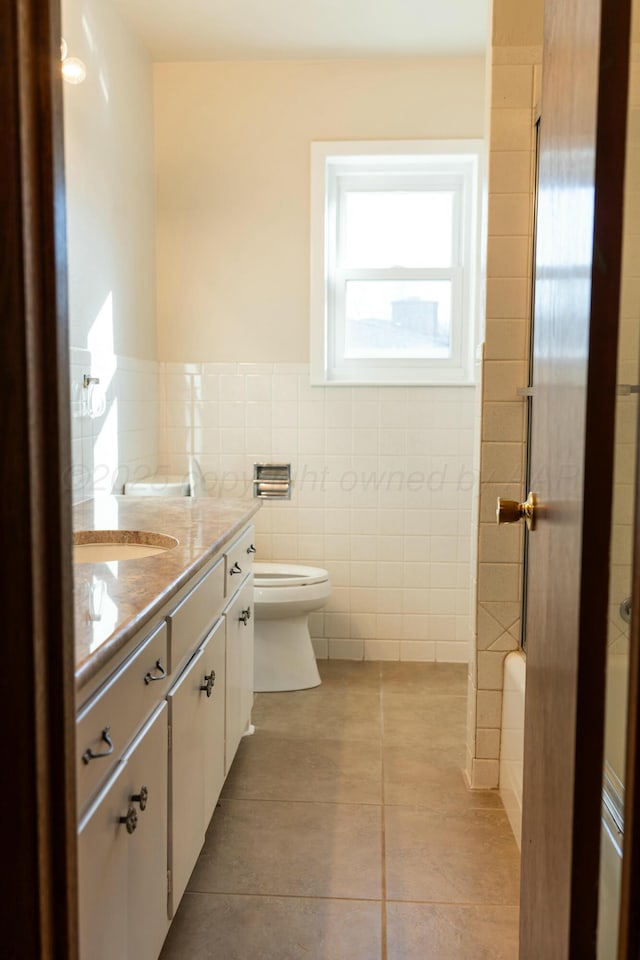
<point>270,767</point>
<point>273,928</point>
<point>436,721</point>
<point>292,862</point>
<point>418,931</point>
<point>360,675</point>
<point>428,776</point>
<point>292,849</point>
<point>425,678</point>
<point>321,713</point>
<point>453,857</point>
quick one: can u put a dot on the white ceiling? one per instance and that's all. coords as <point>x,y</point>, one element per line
<point>307,29</point>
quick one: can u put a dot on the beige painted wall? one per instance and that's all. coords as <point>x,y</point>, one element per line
<point>109,169</point>
<point>110,185</point>
<point>233,185</point>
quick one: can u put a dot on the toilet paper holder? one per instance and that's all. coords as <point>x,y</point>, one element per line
<point>272,481</point>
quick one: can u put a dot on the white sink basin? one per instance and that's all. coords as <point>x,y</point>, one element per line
<point>107,546</point>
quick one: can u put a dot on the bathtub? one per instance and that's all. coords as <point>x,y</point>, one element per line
<point>612,799</point>
<point>512,739</point>
<point>511,762</point>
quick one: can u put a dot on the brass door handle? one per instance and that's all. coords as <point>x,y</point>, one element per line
<point>510,511</point>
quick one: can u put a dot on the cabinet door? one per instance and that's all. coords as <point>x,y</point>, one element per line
<point>239,617</point>
<point>146,781</point>
<point>196,756</point>
<point>122,853</point>
<point>102,871</point>
<point>214,719</point>
<point>186,777</point>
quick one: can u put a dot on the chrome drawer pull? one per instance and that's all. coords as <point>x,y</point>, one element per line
<point>251,549</point>
<point>141,797</point>
<point>245,616</point>
<point>131,820</point>
<point>148,677</point>
<point>236,568</point>
<point>210,679</point>
<point>89,755</point>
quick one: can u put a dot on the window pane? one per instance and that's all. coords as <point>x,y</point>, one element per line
<point>397,229</point>
<point>398,318</point>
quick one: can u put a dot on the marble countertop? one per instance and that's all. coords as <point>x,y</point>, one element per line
<point>113,601</point>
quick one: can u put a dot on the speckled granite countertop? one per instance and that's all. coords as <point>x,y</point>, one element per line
<point>126,594</point>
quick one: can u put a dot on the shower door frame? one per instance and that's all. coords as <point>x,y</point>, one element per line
<point>629,929</point>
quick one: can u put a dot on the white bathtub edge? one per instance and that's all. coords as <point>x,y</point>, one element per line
<point>512,740</point>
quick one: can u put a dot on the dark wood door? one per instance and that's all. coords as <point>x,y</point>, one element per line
<point>37,802</point>
<point>576,294</point>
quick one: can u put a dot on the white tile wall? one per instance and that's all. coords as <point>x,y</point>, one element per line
<point>122,443</point>
<point>382,494</point>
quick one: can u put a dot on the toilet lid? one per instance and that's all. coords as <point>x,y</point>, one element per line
<point>286,575</point>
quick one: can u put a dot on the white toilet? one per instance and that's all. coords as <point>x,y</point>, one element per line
<point>284,595</point>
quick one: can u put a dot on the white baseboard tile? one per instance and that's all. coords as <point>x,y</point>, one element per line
<point>418,651</point>
<point>452,651</point>
<point>484,774</point>
<point>381,649</point>
<point>346,649</point>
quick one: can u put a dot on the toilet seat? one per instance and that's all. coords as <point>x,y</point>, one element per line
<point>267,575</point>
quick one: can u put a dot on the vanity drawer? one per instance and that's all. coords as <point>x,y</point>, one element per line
<point>194,616</point>
<point>110,720</point>
<point>239,557</point>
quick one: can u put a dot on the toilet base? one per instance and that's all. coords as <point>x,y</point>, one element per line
<point>283,656</point>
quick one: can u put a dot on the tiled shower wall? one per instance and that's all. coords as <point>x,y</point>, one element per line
<point>382,494</point>
<point>515,84</point>
<point>122,443</point>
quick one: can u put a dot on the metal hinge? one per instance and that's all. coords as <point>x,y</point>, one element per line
<point>168,881</point>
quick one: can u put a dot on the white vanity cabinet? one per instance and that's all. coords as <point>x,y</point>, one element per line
<point>122,853</point>
<point>110,720</point>
<point>239,621</point>
<point>155,741</point>
<point>196,755</point>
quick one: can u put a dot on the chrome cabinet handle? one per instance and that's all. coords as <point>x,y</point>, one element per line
<point>149,677</point>
<point>245,616</point>
<point>251,549</point>
<point>130,821</point>
<point>210,679</point>
<point>141,797</point>
<point>89,755</point>
<point>236,568</point>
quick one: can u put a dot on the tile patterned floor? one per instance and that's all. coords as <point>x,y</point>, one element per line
<point>345,831</point>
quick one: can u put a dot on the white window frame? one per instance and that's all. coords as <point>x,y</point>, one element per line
<point>453,165</point>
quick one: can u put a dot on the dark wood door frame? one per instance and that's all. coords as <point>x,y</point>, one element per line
<point>38,897</point>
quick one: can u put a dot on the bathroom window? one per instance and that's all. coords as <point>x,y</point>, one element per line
<point>394,246</point>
